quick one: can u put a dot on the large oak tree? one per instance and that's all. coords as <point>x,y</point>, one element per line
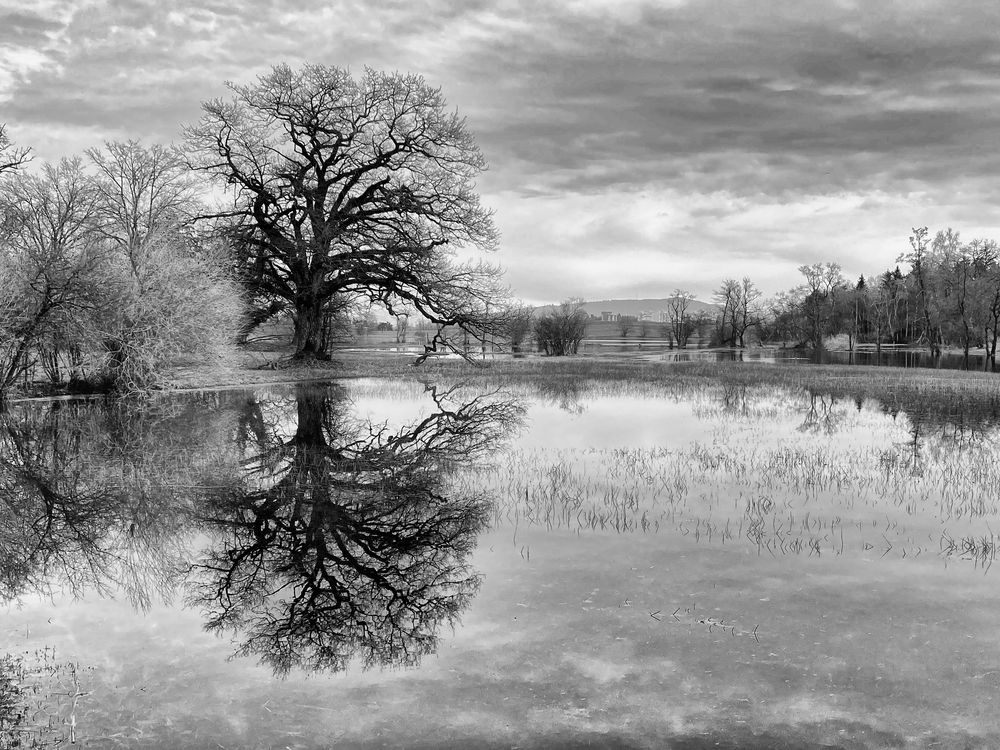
<point>352,186</point>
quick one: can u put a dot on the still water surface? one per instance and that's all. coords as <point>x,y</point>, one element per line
<point>380,564</point>
<point>660,351</point>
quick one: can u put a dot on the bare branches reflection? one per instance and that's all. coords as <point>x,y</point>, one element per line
<point>312,534</point>
<point>345,539</point>
<point>94,498</point>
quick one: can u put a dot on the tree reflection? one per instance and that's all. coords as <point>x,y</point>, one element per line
<point>567,394</point>
<point>821,415</point>
<point>344,539</point>
<point>80,512</point>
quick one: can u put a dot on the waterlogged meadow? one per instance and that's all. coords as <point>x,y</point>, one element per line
<point>682,562</point>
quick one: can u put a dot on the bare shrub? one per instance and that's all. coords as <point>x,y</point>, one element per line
<point>173,305</point>
<point>560,331</point>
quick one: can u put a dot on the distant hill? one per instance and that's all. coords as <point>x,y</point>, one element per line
<point>636,307</point>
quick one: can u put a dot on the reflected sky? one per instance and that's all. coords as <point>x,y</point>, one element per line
<point>379,564</point>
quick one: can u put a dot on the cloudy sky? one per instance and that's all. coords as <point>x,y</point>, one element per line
<point>634,147</point>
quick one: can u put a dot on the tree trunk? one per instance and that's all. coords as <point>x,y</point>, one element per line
<point>311,407</point>
<point>986,349</point>
<point>309,339</point>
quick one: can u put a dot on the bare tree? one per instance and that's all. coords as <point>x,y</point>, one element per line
<point>560,331</point>
<point>519,322</point>
<point>99,271</point>
<point>728,297</point>
<point>886,299</point>
<point>174,296</point>
<point>347,185</point>
<point>823,282</point>
<point>783,320</point>
<point>680,322</point>
<point>746,312</point>
<point>145,191</point>
<point>920,265</point>
<point>49,264</point>
<point>11,157</point>
<point>626,323</point>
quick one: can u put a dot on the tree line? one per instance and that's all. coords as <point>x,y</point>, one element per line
<point>307,192</point>
<point>949,296</point>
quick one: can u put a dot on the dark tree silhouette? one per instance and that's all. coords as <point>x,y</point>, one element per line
<point>345,541</point>
<point>334,540</point>
<point>350,186</point>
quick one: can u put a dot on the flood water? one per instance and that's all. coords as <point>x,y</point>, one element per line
<point>384,564</point>
<point>661,351</point>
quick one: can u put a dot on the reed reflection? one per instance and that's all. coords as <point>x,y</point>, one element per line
<point>346,540</point>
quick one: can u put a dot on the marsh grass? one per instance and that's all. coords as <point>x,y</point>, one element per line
<point>39,699</point>
<point>778,469</point>
<point>797,460</point>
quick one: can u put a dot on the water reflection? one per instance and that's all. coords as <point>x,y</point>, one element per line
<point>343,539</point>
<point>628,570</point>
<point>906,358</point>
<point>311,535</point>
<point>567,394</point>
<point>853,468</point>
<point>91,502</point>
<point>820,415</point>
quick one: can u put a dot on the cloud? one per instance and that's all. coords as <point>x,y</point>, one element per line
<point>583,108</point>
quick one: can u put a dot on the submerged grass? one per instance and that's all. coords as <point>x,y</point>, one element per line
<point>39,699</point>
<point>788,489</point>
<point>778,469</point>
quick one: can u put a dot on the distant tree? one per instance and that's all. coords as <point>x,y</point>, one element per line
<point>727,297</point>
<point>921,271</point>
<point>784,319</point>
<point>358,186</point>
<point>402,323</point>
<point>625,324</point>
<point>702,323</point>
<point>859,314</point>
<point>519,322</point>
<point>988,293</point>
<point>680,321</point>
<point>560,331</point>
<point>886,300</point>
<point>966,281</point>
<point>740,311</point>
<point>746,311</point>
<point>363,322</point>
<point>824,281</point>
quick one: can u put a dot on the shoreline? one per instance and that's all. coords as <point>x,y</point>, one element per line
<point>250,369</point>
